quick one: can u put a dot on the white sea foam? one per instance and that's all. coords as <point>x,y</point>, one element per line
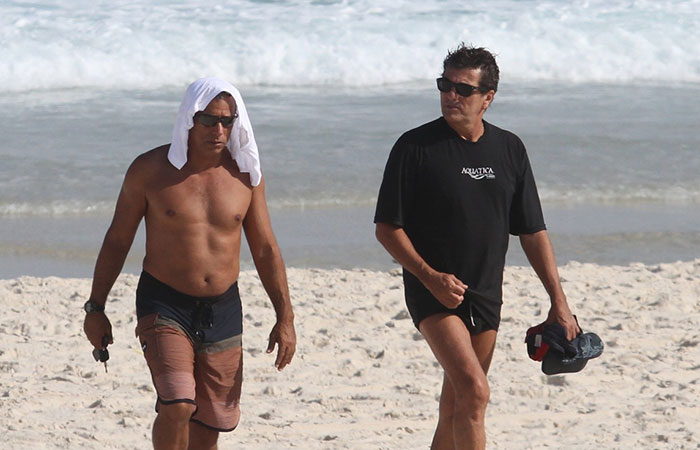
<point>630,194</point>
<point>49,44</point>
<point>311,199</point>
<point>56,208</point>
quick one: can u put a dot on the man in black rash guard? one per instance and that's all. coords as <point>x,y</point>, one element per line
<point>453,190</point>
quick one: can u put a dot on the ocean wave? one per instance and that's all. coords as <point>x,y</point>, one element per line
<point>80,208</point>
<point>314,202</point>
<point>622,195</point>
<point>119,44</point>
<point>590,195</point>
<point>58,208</point>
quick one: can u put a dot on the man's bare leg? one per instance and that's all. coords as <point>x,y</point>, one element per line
<point>465,391</point>
<point>171,427</point>
<point>202,438</point>
<point>483,344</point>
<point>443,439</point>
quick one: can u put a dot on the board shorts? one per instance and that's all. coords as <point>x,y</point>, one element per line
<point>192,346</point>
<point>477,312</point>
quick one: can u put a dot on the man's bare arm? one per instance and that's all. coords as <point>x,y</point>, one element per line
<point>130,209</point>
<point>539,251</point>
<point>270,266</point>
<point>447,288</point>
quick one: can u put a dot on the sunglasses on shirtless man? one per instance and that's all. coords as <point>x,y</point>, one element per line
<point>209,120</point>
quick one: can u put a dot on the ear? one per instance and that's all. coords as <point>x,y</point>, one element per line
<point>488,98</point>
<point>232,105</point>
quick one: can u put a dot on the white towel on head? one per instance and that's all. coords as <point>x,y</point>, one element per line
<point>241,144</point>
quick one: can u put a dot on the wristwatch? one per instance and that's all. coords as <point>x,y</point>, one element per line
<point>92,307</point>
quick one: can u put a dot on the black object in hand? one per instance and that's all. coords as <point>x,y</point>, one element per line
<point>102,354</point>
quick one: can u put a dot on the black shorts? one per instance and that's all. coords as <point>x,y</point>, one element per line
<point>477,312</point>
<point>205,319</point>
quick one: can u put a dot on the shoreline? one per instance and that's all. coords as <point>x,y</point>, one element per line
<point>343,237</point>
<point>375,383</point>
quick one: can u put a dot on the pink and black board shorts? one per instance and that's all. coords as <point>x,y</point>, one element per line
<point>193,349</point>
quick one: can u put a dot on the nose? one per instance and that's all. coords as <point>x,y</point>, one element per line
<point>218,129</point>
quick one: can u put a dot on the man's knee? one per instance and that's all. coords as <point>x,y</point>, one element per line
<point>176,412</point>
<point>472,394</point>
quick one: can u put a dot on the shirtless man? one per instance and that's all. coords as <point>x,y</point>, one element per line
<point>196,196</point>
<point>453,190</point>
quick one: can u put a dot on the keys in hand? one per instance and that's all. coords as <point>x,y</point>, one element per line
<point>102,355</point>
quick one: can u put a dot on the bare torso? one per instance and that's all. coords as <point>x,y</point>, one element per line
<point>193,223</point>
<point>194,216</point>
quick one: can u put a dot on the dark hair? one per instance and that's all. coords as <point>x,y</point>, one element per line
<point>223,95</point>
<point>468,57</point>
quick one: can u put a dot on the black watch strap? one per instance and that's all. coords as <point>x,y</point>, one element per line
<point>92,307</point>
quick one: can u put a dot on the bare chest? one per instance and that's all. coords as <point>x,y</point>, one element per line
<point>212,199</point>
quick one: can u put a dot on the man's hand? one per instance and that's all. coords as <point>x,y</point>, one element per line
<point>284,336</point>
<point>540,253</point>
<point>96,326</point>
<point>447,288</point>
<point>561,314</point>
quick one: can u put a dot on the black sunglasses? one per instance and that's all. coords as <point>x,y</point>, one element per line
<point>209,121</point>
<point>463,89</point>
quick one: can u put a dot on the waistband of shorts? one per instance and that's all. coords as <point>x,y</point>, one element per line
<point>152,287</point>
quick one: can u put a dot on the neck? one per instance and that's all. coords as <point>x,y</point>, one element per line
<point>200,160</point>
<point>470,131</point>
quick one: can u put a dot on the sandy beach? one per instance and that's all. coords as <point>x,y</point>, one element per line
<point>602,94</point>
<point>363,378</point>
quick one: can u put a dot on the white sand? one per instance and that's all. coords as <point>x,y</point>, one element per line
<point>363,378</point>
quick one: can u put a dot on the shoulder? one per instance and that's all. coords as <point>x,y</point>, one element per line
<point>157,155</point>
<point>499,132</point>
<point>148,165</point>
<point>426,136</point>
<point>426,133</point>
<point>152,159</point>
<point>507,137</point>
<point>505,140</point>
